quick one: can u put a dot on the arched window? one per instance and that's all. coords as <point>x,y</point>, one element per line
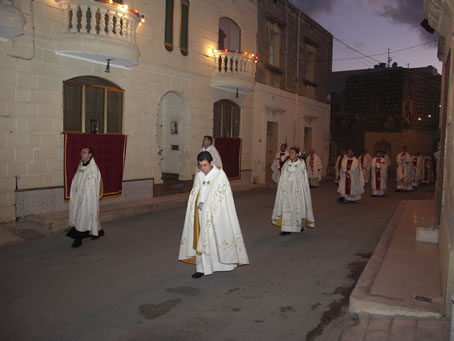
<point>168,34</point>
<point>229,36</point>
<point>226,120</point>
<point>92,105</point>
<point>184,28</point>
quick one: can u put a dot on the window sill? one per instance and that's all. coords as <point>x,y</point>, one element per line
<point>274,69</point>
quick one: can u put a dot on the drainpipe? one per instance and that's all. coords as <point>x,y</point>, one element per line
<point>451,336</point>
<point>297,81</point>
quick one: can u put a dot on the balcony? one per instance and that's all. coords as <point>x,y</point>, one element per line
<point>234,71</point>
<point>98,31</point>
<point>12,21</point>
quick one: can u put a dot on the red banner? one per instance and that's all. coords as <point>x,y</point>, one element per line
<point>109,152</point>
<point>230,151</point>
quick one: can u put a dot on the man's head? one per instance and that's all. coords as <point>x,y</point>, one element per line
<point>404,149</point>
<point>342,152</point>
<point>363,152</point>
<point>86,154</point>
<point>205,161</point>
<point>293,153</point>
<point>207,141</point>
<point>378,153</point>
<point>418,154</point>
<point>283,147</point>
<point>350,153</point>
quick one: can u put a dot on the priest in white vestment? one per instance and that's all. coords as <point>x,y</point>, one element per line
<point>339,164</point>
<point>405,170</point>
<point>351,183</point>
<point>212,238</point>
<point>278,162</point>
<point>365,162</point>
<point>86,190</point>
<point>417,161</point>
<point>207,146</point>
<point>314,169</point>
<point>292,210</point>
<point>379,175</point>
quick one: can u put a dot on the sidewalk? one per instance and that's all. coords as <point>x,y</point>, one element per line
<point>397,329</point>
<point>38,226</point>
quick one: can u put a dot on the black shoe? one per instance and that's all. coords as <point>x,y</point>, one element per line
<point>285,233</point>
<point>100,234</point>
<point>374,196</point>
<point>302,230</point>
<point>197,275</point>
<point>76,243</point>
<point>341,199</point>
<point>398,190</point>
<point>351,202</point>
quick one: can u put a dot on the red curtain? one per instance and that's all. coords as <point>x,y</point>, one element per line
<point>230,151</point>
<point>109,152</point>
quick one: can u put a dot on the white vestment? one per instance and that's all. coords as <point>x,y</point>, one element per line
<point>338,167</point>
<point>214,154</point>
<point>293,205</point>
<point>365,161</point>
<point>314,169</point>
<point>388,160</point>
<point>351,183</point>
<point>84,199</point>
<point>418,170</point>
<point>379,172</point>
<point>405,169</point>
<point>276,165</point>
<point>212,237</point>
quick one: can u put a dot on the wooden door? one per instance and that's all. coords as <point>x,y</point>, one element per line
<point>271,148</point>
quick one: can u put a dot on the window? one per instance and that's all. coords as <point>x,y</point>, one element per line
<point>311,56</point>
<point>168,34</point>
<point>92,105</point>
<point>275,44</point>
<point>184,27</point>
<point>226,122</point>
<point>229,35</point>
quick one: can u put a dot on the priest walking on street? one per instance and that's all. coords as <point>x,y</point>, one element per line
<point>207,146</point>
<point>314,169</point>
<point>351,183</point>
<point>212,238</point>
<point>379,173</point>
<point>405,170</point>
<point>292,210</point>
<point>86,190</point>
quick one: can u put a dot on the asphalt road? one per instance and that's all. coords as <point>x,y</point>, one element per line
<point>129,285</point>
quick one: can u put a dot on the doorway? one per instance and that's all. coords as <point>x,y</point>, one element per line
<point>271,148</point>
<point>307,139</point>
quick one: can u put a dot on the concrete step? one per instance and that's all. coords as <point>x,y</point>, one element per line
<point>402,278</point>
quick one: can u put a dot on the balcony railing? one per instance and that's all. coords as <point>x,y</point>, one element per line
<point>115,26</point>
<point>234,70</point>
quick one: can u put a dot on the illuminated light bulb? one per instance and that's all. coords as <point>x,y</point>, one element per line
<point>111,2</point>
<point>136,11</point>
<point>419,118</point>
<point>140,24</point>
<point>245,53</point>
<point>429,116</point>
<point>226,50</point>
<point>252,55</point>
<point>142,20</point>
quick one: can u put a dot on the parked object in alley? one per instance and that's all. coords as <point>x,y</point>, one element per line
<point>292,210</point>
<point>405,170</point>
<point>379,176</point>
<point>212,238</point>
<point>86,189</point>
<point>351,182</point>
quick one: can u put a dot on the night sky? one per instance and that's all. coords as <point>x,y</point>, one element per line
<point>373,26</point>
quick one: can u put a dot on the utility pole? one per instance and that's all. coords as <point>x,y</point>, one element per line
<point>389,58</point>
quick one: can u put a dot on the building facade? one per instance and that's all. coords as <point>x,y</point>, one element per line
<point>440,17</point>
<point>291,98</point>
<point>163,73</point>
<point>385,108</point>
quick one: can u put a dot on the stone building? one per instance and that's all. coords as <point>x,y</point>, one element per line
<point>385,108</point>
<point>162,73</point>
<point>439,16</point>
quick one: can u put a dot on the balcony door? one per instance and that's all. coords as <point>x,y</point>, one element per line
<point>229,37</point>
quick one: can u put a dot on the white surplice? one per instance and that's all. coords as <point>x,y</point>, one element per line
<point>84,198</point>
<point>338,167</point>
<point>351,182</point>
<point>379,172</point>
<point>276,165</point>
<point>365,161</point>
<point>214,154</point>
<point>212,237</point>
<point>293,205</point>
<point>418,170</point>
<point>314,169</point>
<point>405,170</point>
